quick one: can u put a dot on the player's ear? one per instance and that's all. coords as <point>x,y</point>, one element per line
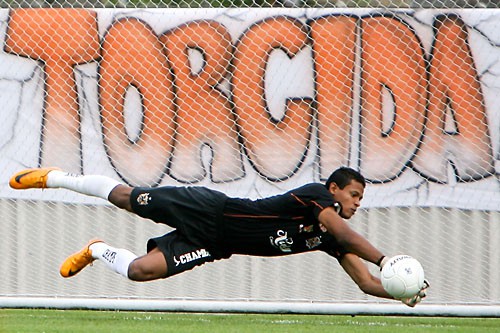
<point>333,187</point>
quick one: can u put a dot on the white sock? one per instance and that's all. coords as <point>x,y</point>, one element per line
<point>96,186</point>
<point>118,260</point>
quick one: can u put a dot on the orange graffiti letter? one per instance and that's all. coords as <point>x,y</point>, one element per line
<point>457,129</point>
<point>134,65</point>
<point>200,52</point>
<point>334,39</point>
<point>393,96</point>
<point>61,39</point>
<point>275,147</point>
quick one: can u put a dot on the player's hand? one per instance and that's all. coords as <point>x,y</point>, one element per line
<point>412,301</point>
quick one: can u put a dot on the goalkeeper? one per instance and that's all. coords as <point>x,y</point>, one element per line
<point>210,226</point>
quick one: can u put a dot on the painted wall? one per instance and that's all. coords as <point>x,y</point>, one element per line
<point>266,99</point>
<point>253,103</point>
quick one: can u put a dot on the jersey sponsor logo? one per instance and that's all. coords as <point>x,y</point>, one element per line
<point>311,243</point>
<point>306,228</point>
<point>282,241</point>
<point>143,199</point>
<point>190,256</point>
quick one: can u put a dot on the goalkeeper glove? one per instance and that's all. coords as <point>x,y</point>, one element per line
<point>412,301</point>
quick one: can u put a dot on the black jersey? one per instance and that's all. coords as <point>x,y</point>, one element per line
<point>204,218</point>
<point>279,225</point>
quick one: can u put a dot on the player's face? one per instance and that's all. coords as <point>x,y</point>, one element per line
<point>349,197</point>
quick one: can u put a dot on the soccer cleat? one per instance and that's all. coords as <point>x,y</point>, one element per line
<point>30,178</point>
<point>78,261</point>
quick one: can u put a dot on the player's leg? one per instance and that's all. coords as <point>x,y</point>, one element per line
<point>149,267</point>
<point>120,197</point>
<point>179,255</point>
<point>167,255</point>
<point>92,185</point>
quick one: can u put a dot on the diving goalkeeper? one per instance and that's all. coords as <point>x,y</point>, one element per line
<point>211,226</point>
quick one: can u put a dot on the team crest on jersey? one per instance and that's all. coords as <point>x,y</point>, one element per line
<point>143,199</point>
<point>282,241</point>
<point>311,243</point>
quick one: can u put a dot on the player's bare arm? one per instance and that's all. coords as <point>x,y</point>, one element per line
<point>360,274</point>
<point>372,285</point>
<point>348,238</point>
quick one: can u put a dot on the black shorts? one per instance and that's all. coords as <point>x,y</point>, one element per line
<point>181,255</point>
<point>195,213</point>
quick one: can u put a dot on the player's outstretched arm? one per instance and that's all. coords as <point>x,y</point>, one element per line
<point>370,284</point>
<point>360,274</point>
<point>348,238</point>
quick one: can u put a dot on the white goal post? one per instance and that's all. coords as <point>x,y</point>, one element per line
<point>346,308</point>
<point>254,102</point>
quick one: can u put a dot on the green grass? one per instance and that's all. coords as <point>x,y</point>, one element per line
<point>37,320</point>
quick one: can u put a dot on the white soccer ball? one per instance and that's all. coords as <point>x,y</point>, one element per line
<point>402,276</point>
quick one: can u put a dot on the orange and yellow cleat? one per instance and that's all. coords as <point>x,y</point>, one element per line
<point>30,178</point>
<point>78,261</point>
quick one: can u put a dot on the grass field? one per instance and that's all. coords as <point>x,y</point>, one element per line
<point>36,320</point>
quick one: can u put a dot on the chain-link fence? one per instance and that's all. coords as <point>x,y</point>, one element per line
<point>389,4</point>
<point>254,99</point>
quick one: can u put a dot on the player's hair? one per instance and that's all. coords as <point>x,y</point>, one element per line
<point>343,177</point>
